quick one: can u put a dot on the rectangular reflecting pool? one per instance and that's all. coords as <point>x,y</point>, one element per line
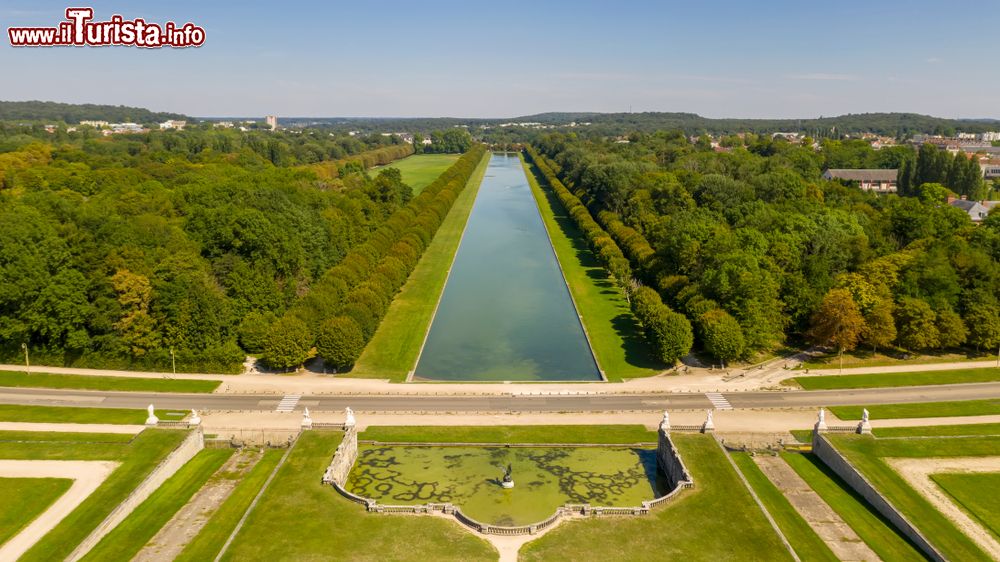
<point>506,313</point>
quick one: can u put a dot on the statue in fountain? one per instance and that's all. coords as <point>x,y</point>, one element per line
<point>151,419</point>
<point>349,421</point>
<point>507,481</point>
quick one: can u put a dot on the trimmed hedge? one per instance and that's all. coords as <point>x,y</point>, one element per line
<point>370,158</point>
<point>668,332</point>
<point>363,284</point>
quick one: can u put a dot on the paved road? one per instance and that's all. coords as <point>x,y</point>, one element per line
<point>546,403</point>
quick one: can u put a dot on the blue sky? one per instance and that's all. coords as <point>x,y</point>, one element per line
<point>498,59</point>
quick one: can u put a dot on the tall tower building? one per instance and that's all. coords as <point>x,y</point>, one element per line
<point>272,121</point>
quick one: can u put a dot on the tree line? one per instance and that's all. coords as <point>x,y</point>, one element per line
<point>667,332</point>
<point>749,243</point>
<point>931,168</point>
<point>341,312</point>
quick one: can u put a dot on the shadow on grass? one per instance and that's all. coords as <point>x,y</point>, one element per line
<point>657,479</point>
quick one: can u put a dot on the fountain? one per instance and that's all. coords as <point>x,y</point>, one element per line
<point>507,482</point>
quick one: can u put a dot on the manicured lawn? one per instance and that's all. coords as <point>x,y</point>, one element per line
<point>967,490</point>
<point>392,352</point>
<point>207,544</point>
<point>300,518</point>
<point>874,529</point>
<point>420,170</point>
<point>24,499</point>
<point>614,333</point>
<point>921,410</point>
<point>137,459</point>
<point>545,478</point>
<point>601,434</point>
<point>868,359</point>
<point>803,539</point>
<point>61,437</point>
<point>867,453</point>
<point>128,538</point>
<point>88,382</point>
<point>938,430</point>
<point>70,414</point>
<point>716,520</point>
<point>955,376</point>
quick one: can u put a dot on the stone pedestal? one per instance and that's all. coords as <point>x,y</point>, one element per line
<point>864,428</point>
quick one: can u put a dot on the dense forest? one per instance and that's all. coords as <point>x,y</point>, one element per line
<point>755,248</point>
<point>116,251</point>
<point>74,113</point>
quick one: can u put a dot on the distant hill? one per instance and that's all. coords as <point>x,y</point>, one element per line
<point>74,113</point>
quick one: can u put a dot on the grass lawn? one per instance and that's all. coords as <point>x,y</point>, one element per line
<point>716,520</point>
<point>614,333</point>
<point>128,538</point>
<point>420,170</point>
<point>874,529</point>
<point>967,491</point>
<point>61,437</point>
<point>137,459</point>
<point>393,350</point>
<point>867,453</point>
<point>800,535</point>
<point>600,434</point>
<point>207,544</point>
<point>72,414</point>
<point>955,376</point>
<point>938,430</point>
<point>869,359</point>
<point>545,478</point>
<point>921,410</point>
<point>24,499</point>
<point>300,518</point>
<point>88,382</point>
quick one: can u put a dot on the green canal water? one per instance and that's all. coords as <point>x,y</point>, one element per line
<point>544,478</point>
<point>506,313</point>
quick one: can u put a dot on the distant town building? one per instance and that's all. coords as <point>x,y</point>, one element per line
<point>271,121</point>
<point>990,167</point>
<point>95,124</point>
<point>976,210</point>
<point>172,124</point>
<point>881,181</point>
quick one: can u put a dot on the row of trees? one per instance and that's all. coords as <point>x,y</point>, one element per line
<point>362,161</point>
<point>747,243</point>
<point>931,165</point>
<point>341,312</point>
<point>667,332</point>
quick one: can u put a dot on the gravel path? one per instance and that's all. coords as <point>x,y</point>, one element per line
<point>86,476</point>
<point>917,473</point>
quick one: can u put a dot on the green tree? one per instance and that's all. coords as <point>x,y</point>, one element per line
<point>880,326</point>
<point>253,330</point>
<point>951,328</point>
<point>670,333</point>
<point>983,321</point>
<point>837,322</point>
<point>721,335</point>
<point>340,342</point>
<point>288,343</point>
<point>916,325</point>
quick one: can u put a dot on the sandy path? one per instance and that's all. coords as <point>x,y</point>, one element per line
<point>86,476</point>
<point>837,534</point>
<point>72,427</point>
<point>171,539</point>
<point>917,472</point>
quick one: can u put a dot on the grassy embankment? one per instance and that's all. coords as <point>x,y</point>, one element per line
<point>71,414</point>
<point>208,542</point>
<point>862,358</point>
<point>966,490</point>
<point>24,499</point>
<point>138,458</point>
<point>392,351</point>
<point>420,170</point>
<point>89,382</point>
<point>874,529</point>
<point>886,380</point>
<point>716,520</point>
<point>867,454</point>
<point>921,410</point>
<point>300,518</point>
<point>128,538</point>
<point>800,535</point>
<point>614,333</point>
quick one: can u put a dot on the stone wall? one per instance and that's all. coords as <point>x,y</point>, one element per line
<point>830,456</point>
<point>670,462</point>
<point>194,442</point>
<point>343,459</point>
